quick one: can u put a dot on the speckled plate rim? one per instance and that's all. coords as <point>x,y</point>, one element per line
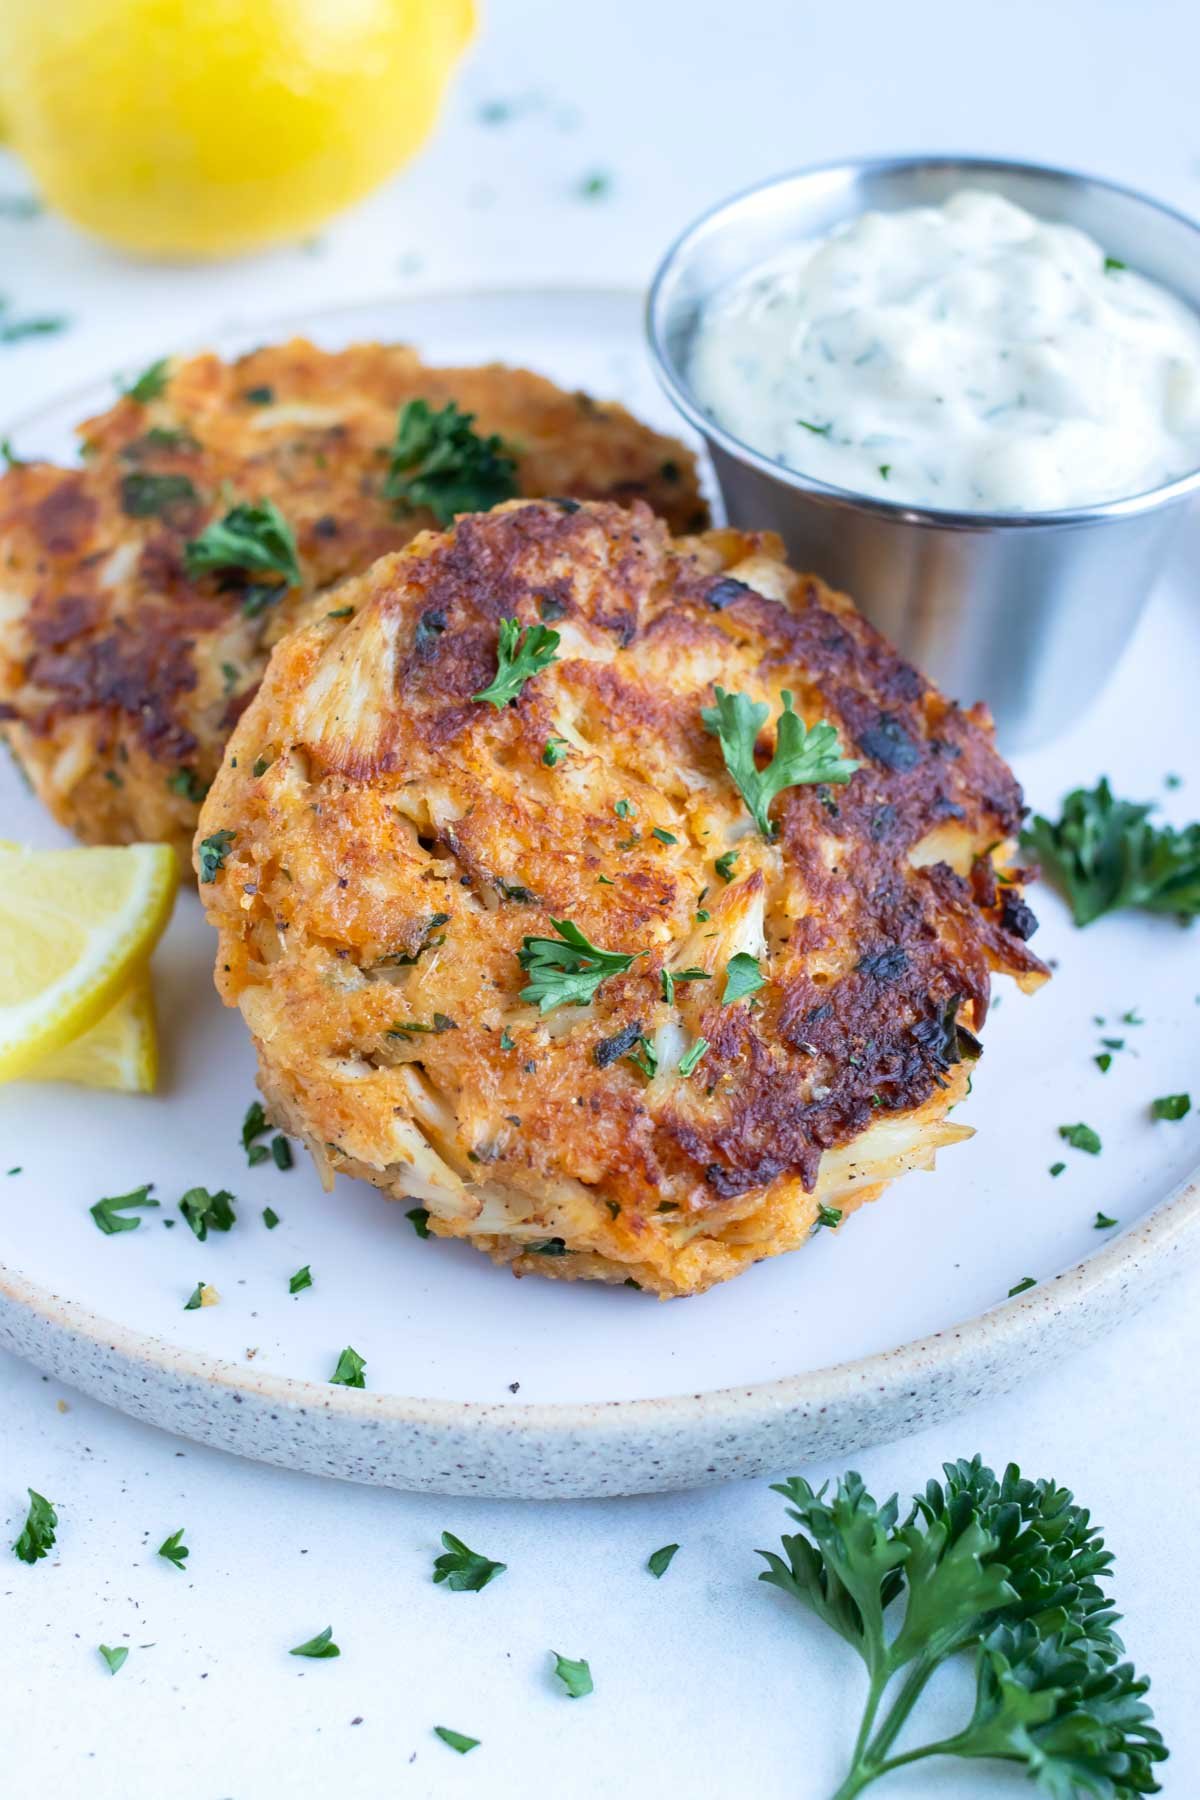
<point>599,1448</point>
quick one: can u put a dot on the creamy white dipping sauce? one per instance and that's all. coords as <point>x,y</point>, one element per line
<point>968,357</point>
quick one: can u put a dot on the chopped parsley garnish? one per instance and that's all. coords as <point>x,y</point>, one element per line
<point>801,756</point>
<point>9,456</point>
<point>253,536</point>
<point>188,785</point>
<point>624,809</point>
<point>1132,1017</point>
<point>438,461</point>
<point>464,1571</point>
<point>15,331</point>
<point>828,1216</point>
<point>1104,854</point>
<point>300,1280</point>
<point>1103,1061</point>
<point>519,655</point>
<point>1171,1106</point>
<point>146,496</point>
<point>1081,1137</point>
<point>455,1739</point>
<point>688,1062</point>
<point>419,1217</point>
<point>349,1371</point>
<point>270,1217</point>
<point>596,186</point>
<point>207,1212</point>
<point>319,1648</point>
<point>817,430</point>
<point>664,837</point>
<point>567,973</point>
<point>1102,1222</point>
<point>151,384</point>
<point>644,1056</point>
<point>742,977</point>
<point>213,851</point>
<point>259,396</point>
<point>724,865</point>
<point>174,1550</point>
<point>1009,1572</point>
<point>1112,264</point>
<point>669,977</point>
<point>281,1152</point>
<point>659,1561</point>
<point>1057,1168</point>
<point>555,1246</point>
<point>115,1658</point>
<point>109,1213</point>
<point>556,749</point>
<point>196,1298</point>
<point>37,1533</point>
<point>507,1041</point>
<point>1026,1281</point>
<point>341,612</point>
<point>575,1676</point>
<point>885,470</point>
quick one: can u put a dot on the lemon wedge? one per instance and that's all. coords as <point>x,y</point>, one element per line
<point>76,927</point>
<point>120,1052</point>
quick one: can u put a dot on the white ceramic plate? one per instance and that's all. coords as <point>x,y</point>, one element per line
<point>478,1383</point>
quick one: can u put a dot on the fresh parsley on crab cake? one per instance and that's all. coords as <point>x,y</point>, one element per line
<point>624,904</point>
<point>140,593</point>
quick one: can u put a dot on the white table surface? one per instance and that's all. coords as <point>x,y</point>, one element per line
<point>706,1683</point>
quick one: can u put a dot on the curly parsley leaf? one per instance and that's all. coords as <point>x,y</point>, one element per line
<point>567,973</point>
<point>109,1214</point>
<point>319,1648</point>
<point>519,654</point>
<point>37,1533</point>
<point>1008,1569</point>
<point>207,1212</point>
<point>174,1550</point>
<point>463,1570</point>
<point>151,384</point>
<point>114,1658</point>
<point>253,536</point>
<point>213,851</point>
<point>742,977</point>
<point>439,461</point>
<point>455,1739</point>
<point>575,1675</point>
<point>349,1370</point>
<point>1105,854</point>
<point>801,755</point>
<point>1081,1137</point>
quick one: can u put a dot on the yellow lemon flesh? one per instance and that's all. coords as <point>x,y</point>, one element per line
<point>176,128</point>
<point>120,1052</point>
<point>76,927</point>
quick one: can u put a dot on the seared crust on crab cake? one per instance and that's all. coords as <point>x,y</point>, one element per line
<point>380,845</point>
<point>120,677</point>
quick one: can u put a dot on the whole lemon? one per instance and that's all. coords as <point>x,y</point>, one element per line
<point>201,127</point>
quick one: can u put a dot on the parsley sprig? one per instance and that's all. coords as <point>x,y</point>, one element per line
<point>1008,1569</point>
<point>439,461</point>
<point>567,973</point>
<point>519,654</point>
<point>801,755</point>
<point>254,536</point>
<point>37,1533</point>
<point>174,1550</point>
<point>463,1570</point>
<point>1105,854</point>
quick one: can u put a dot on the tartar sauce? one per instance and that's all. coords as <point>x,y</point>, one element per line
<point>967,356</point>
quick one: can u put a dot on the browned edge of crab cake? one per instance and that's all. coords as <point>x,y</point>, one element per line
<point>380,846</point>
<point>120,677</point>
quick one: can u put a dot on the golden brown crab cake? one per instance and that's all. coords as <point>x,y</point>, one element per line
<point>120,676</point>
<point>398,870</point>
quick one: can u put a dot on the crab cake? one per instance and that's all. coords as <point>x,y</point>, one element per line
<point>126,658</point>
<point>541,929</point>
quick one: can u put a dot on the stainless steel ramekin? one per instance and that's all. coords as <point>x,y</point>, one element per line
<point>1028,611</point>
